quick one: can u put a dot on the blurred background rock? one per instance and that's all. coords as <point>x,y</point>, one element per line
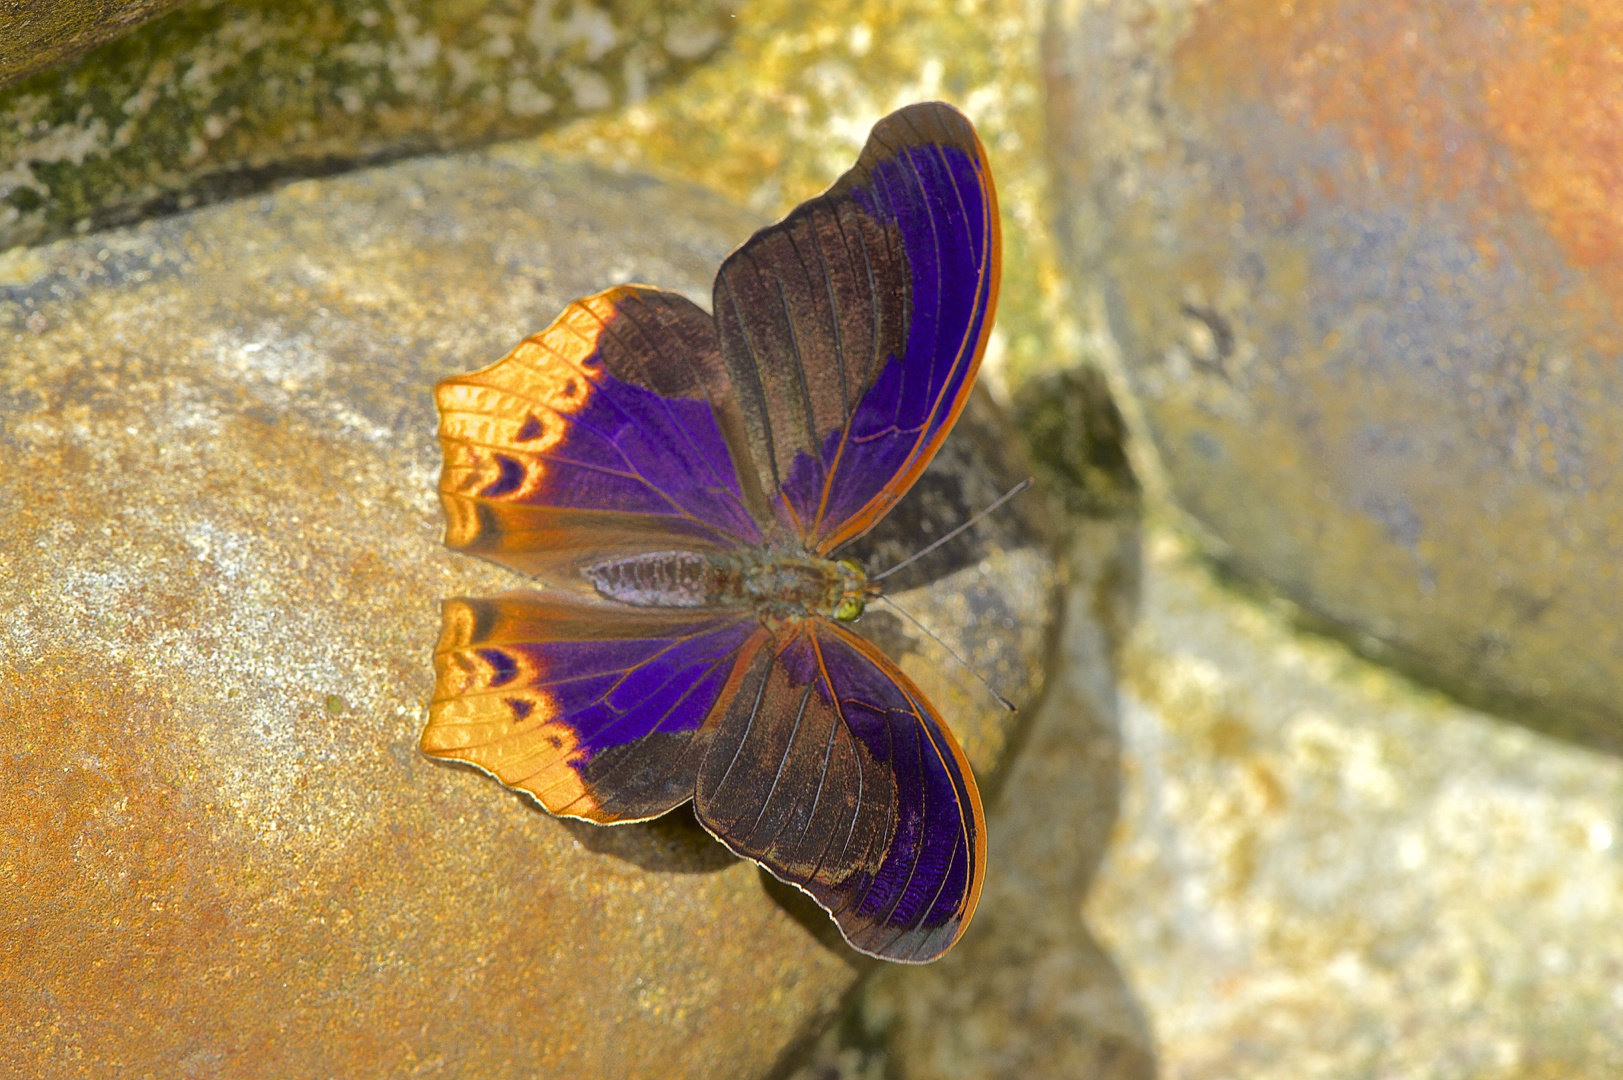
<point>1349,270</point>
<point>1364,262</point>
<point>1359,264</point>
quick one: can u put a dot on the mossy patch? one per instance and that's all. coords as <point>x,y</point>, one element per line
<point>217,99</point>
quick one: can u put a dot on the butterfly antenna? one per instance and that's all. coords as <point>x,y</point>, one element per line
<point>910,560</point>
<point>1001,700</point>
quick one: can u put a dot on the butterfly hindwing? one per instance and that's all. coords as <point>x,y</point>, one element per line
<point>830,769</point>
<point>598,714</point>
<point>604,432</point>
<point>853,328</point>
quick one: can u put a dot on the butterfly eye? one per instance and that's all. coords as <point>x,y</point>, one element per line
<point>850,609</point>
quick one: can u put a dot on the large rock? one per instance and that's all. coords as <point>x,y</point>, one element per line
<point>1322,870</point>
<point>218,99</point>
<point>1364,260</point>
<point>220,850</point>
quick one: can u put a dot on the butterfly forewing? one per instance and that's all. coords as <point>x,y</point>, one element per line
<point>852,329</point>
<point>602,433</point>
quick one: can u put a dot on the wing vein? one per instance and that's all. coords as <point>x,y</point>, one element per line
<point>755,383</point>
<point>783,763</point>
<point>794,345</point>
<point>749,726</point>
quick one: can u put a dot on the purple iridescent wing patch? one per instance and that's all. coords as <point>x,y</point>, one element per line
<point>603,432</point>
<point>831,770</point>
<point>853,329</point>
<point>598,718</point>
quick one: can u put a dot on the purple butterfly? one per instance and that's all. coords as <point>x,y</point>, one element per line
<point>684,483</point>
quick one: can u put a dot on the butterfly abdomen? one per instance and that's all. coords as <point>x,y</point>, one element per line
<point>666,579</point>
<point>776,585</point>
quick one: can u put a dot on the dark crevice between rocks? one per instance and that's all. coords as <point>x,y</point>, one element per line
<point>236,183</point>
<point>1076,438</point>
<point>838,1046</point>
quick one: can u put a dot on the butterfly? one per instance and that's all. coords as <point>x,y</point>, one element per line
<point>683,483</point>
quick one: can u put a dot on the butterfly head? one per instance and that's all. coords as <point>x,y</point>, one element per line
<point>855,591</point>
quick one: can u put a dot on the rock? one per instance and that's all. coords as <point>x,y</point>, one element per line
<point>217,99</point>
<point>1323,870</point>
<point>1364,270</point>
<point>220,568</point>
<point>42,33</point>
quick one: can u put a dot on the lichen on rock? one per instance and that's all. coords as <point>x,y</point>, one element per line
<point>219,99</point>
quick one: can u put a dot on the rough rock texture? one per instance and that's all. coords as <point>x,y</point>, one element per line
<point>37,34</point>
<point>220,851</point>
<point>1324,871</point>
<point>219,99</point>
<point>786,105</point>
<point>1364,261</point>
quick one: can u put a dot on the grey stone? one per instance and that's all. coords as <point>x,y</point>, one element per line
<point>1324,870</point>
<point>220,571</point>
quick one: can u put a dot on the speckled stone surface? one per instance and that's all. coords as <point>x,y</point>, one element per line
<point>216,99</point>
<point>786,105</point>
<point>221,853</point>
<point>1364,262</point>
<point>1323,871</point>
<point>37,34</point>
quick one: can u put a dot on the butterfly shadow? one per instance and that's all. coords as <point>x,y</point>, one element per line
<point>674,843</point>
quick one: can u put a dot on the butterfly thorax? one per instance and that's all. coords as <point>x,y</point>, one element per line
<point>777,585</point>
